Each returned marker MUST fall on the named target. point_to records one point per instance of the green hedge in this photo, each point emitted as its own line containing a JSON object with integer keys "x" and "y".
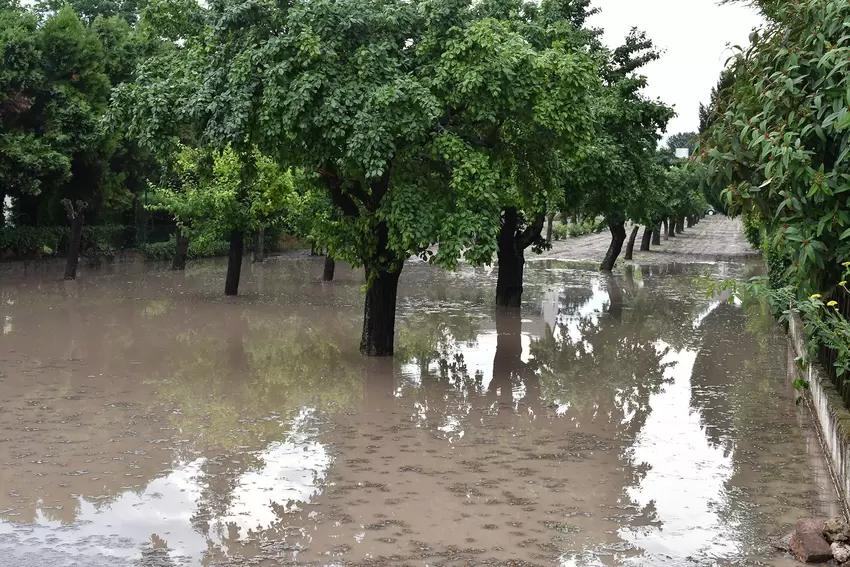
{"x": 203, "y": 246}
{"x": 562, "y": 231}
{"x": 37, "y": 241}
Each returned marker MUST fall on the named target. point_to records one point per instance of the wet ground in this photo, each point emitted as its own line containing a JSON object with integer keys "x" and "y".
{"x": 713, "y": 238}
{"x": 145, "y": 420}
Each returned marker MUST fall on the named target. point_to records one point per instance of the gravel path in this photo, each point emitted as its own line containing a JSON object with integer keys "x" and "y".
{"x": 714, "y": 239}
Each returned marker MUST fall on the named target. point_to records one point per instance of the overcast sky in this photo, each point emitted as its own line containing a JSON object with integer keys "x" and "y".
{"x": 694, "y": 35}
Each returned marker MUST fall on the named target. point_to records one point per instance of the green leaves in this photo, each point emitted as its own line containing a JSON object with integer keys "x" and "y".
{"x": 789, "y": 91}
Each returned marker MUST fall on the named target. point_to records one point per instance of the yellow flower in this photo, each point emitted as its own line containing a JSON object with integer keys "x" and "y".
{"x": 846, "y": 264}
{"x": 842, "y": 283}
{"x": 832, "y": 304}
{"x": 815, "y": 296}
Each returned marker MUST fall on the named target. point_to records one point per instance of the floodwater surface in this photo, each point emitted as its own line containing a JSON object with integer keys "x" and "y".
{"x": 145, "y": 420}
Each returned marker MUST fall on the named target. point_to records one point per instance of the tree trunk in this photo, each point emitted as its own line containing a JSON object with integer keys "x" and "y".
{"x": 656, "y": 235}
{"x": 234, "y": 262}
{"x": 511, "y": 262}
{"x": 76, "y": 216}
{"x": 2, "y": 209}
{"x": 260, "y": 246}
{"x": 680, "y": 225}
{"x": 618, "y": 236}
{"x": 549, "y": 222}
{"x": 671, "y": 228}
{"x": 328, "y": 271}
{"x": 630, "y": 247}
{"x": 379, "y": 314}
{"x": 645, "y": 240}
{"x": 181, "y": 250}
{"x": 665, "y": 229}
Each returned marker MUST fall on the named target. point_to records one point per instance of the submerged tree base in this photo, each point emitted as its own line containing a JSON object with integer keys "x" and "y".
{"x": 379, "y": 315}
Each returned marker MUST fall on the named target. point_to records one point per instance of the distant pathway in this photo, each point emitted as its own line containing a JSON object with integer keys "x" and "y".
{"x": 714, "y": 238}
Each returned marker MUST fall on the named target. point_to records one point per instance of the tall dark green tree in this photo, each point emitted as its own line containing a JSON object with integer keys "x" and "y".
{"x": 615, "y": 170}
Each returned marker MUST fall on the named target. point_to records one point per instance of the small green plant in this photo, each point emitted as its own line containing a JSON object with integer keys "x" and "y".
{"x": 560, "y": 231}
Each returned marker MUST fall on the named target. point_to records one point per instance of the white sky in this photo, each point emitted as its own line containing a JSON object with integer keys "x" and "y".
{"x": 693, "y": 34}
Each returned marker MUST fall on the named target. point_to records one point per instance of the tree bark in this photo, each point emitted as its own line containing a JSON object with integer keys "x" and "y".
{"x": 656, "y": 235}
{"x": 379, "y": 314}
{"x": 511, "y": 262}
{"x": 234, "y": 262}
{"x": 328, "y": 271}
{"x": 549, "y": 222}
{"x": 630, "y": 247}
{"x": 181, "y": 250}
{"x": 680, "y": 225}
{"x": 618, "y": 236}
{"x": 2, "y": 209}
{"x": 645, "y": 240}
{"x": 76, "y": 216}
{"x": 671, "y": 228}
{"x": 665, "y": 228}
{"x": 260, "y": 246}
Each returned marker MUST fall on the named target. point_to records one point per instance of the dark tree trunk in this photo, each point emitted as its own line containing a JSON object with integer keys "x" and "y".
{"x": 511, "y": 262}
{"x": 671, "y": 228}
{"x": 618, "y": 236}
{"x": 181, "y": 250}
{"x": 260, "y": 246}
{"x": 549, "y": 222}
{"x": 76, "y": 216}
{"x": 379, "y": 314}
{"x": 656, "y": 235}
{"x": 630, "y": 247}
{"x": 680, "y": 225}
{"x": 328, "y": 271}
{"x": 234, "y": 262}
{"x": 645, "y": 240}
{"x": 2, "y": 209}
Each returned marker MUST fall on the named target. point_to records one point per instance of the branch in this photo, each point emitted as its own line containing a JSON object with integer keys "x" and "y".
{"x": 342, "y": 200}
{"x": 531, "y": 233}
{"x": 69, "y": 208}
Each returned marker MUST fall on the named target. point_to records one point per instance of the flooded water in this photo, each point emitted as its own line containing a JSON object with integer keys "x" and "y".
{"x": 145, "y": 420}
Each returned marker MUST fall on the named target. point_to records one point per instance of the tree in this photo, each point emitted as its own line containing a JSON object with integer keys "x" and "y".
{"x": 511, "y": 127}
{"x": 55, "y": 85}
{"x": 407, "y": 113}
{"x": 211, "y": 191}
{"x": 614, "y": 172}
{"x": 679, "y": 140}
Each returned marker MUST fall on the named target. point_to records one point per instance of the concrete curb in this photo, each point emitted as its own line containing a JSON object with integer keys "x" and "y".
{"x": 829, "y": 412}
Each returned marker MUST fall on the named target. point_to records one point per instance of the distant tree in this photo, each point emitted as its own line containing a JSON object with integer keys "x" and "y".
{"x": 682, "y": 140}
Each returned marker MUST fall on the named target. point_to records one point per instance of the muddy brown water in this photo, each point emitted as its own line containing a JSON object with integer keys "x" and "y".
{"x": 145, "y": 420}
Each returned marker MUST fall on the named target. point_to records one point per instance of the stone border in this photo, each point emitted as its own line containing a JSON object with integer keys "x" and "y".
{"x": 831, "y": 416}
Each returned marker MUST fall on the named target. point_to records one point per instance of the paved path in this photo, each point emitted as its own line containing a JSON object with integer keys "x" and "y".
{"x": 715, "y": 238}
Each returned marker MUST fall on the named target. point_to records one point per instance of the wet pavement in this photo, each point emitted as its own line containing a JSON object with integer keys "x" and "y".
{"x": 145, "y": 420}
{"x": 713, "y": 239}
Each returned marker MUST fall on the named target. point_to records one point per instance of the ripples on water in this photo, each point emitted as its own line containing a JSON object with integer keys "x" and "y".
{"x": 621, "y": 421}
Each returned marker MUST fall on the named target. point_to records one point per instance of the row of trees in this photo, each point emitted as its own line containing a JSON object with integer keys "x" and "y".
{"x": 380, "y": 130}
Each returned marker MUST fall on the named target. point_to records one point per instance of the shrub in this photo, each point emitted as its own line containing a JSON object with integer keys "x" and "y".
{"x": 37, "y": 241}
{"x": 560, "y": 231}
{"x": 31, "y": 241}
{"x": 205, "y": 245}
{"x": 753, "y": 228}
